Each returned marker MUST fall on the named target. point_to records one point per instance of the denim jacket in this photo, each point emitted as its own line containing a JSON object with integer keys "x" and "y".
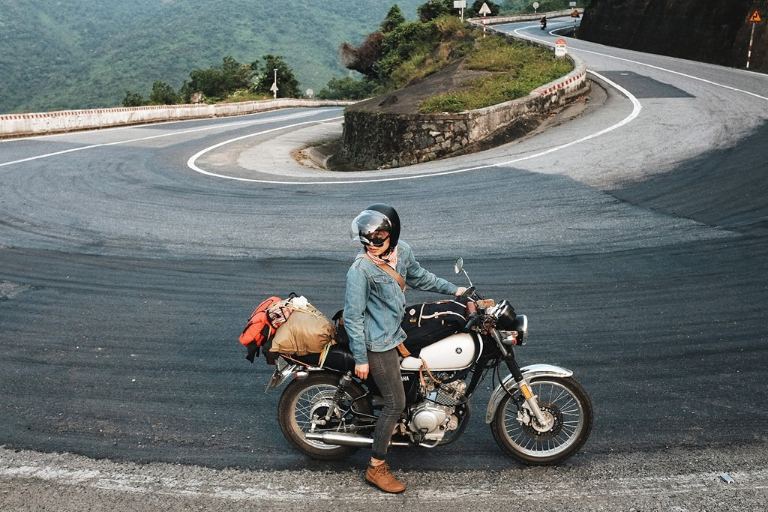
{"x": 374, "y": 304}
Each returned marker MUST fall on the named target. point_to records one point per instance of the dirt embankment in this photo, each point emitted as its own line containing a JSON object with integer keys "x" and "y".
{"x": 452, "y": 78}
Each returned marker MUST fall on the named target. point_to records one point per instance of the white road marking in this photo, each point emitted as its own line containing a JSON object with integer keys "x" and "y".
{"x": 160, "y": 136}
{"x": 636, "y": 108}
{"x": 659, "y": 68}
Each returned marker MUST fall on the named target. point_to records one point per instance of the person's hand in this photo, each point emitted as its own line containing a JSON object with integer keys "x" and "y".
{"x": 460, "y": 291}
{"x": 361, "y": 370}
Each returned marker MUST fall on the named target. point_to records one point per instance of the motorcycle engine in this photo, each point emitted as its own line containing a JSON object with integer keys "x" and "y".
{"x": 433, "y": 417}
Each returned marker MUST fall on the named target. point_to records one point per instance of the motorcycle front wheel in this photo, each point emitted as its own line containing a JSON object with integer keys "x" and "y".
{"x": 305, "y": 404}
{"x": 564, "y": 402}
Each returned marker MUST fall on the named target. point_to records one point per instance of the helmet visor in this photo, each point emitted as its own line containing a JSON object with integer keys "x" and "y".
{"x": 371, "y": 228}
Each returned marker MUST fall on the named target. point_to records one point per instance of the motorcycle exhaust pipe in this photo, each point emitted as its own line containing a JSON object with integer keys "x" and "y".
{"x": 343, "y": 439}
{"x": 339, "y": 438}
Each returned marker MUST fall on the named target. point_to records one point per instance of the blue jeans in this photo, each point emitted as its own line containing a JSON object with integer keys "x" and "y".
{"x": 385, "y": 370}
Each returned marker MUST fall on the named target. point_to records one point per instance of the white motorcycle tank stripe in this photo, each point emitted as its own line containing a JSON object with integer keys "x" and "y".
{"x": 455, "y": 352}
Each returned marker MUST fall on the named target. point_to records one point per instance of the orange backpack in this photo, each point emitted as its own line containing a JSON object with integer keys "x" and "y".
{"x": 258, "y": 329}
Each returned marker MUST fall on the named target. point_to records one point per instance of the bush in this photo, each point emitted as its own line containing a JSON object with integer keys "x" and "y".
{"x": 517, "y": 70}
{"x": 133, "y": 99}
{"x": 410, "y": 40}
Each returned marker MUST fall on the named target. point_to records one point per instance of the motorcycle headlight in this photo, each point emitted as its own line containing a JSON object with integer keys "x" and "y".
{"x": 518, "y": 335}
{"x": 505, "y": 316}
{"x": 521, "y": 326}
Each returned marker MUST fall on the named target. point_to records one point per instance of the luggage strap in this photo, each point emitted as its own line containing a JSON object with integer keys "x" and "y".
{"x": 421, "y": 374}
{"x": 389, "y": 270}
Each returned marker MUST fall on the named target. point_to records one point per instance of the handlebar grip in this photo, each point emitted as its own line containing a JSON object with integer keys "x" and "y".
{"x": 472, "y": 320}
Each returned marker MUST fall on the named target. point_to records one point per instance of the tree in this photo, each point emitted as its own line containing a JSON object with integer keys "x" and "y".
{"x": 208, "y": 81}
{"x": 434, "y": 9}
{"x": 348, "y": 88}
{"x": 235, "y": 76}
{"x": 133, "y": 99}
{"x": 393, "y": 19}
{"x": 365, "y": 58}
{"x": 163, "y": 94}
{"x": 288, "y": 86}
{"x": 219, "y": 82}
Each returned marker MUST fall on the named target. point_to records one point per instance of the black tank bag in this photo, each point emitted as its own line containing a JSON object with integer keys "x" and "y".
{"x": 429, "y": 322}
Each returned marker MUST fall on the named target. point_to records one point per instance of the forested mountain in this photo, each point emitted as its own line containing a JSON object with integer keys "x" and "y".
{"x": 57, "y": 54}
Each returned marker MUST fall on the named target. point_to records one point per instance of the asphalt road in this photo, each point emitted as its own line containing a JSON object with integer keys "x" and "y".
{"x": 632, "y": 231}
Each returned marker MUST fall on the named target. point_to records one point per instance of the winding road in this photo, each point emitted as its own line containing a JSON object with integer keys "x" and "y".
{"x": 632, "y": 230}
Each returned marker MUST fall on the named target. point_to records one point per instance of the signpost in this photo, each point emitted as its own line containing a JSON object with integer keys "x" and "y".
{"x": 560, "y": 48}
{"x": 274, "y": 88}
{"x": 536, "y": 7}
{"x": 485, "y": 11}
{"x": 460, "y": 5}
{"x": 754, "y": 19}
{"x": 574, "y": 15}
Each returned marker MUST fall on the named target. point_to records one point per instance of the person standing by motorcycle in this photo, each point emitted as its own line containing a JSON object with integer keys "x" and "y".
{"x": 374, "y": 305}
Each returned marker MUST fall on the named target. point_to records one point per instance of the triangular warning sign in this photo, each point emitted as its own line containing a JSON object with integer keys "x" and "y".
{"x": 755, "y": 17}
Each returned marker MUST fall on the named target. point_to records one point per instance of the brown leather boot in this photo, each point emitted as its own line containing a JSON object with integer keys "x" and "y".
{"x": 383, "y": 479}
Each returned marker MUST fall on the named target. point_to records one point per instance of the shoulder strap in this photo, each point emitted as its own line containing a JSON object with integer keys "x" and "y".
{"x": 389, "y": 270}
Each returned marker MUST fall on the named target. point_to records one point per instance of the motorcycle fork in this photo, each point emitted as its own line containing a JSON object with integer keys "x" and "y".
{"x": 525, "y": 389}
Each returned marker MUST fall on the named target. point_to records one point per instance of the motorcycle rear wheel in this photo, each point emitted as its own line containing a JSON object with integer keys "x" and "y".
{"x": 310, "y": 398}
{"x": 563, "y": 399}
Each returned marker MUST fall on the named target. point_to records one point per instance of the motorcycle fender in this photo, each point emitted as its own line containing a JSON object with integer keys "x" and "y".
{"x": 529, "y": 372}
{"x": 282, "y": 372}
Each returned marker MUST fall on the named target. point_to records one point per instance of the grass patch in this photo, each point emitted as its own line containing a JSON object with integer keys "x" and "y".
{"x": 517, "y": 70}
{"x": 244, "y": 95}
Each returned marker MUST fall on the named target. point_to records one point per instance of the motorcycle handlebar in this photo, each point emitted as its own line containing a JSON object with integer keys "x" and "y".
{"x": 472, "y": 321}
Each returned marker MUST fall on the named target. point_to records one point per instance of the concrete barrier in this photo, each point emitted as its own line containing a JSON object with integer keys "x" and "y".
{"x": 499, "y": 20}
{"x": 15, "y": 125}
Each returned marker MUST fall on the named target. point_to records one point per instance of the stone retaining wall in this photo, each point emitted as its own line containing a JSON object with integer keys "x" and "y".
{"x": 374, "y": 140}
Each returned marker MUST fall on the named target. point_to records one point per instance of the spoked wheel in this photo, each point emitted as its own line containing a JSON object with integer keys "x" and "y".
{"x": 568, "y": 410}
{"x": 304, "y": 407}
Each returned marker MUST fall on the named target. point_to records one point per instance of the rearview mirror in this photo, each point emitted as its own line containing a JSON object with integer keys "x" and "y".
{"x": 459, "y": 265}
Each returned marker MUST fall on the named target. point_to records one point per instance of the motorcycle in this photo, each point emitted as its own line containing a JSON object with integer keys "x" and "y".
{"x": 538, "y": 414}
{"x": 543, "y": 24}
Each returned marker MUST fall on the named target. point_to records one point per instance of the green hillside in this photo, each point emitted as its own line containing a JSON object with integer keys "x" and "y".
{"x": 72, "y": 54}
